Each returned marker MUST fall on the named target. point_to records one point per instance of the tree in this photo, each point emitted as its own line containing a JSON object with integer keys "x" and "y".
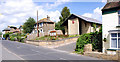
{"x": 64, "y": 14}
{"x": 94, "y": 27}
{"x": 28, "y": 26}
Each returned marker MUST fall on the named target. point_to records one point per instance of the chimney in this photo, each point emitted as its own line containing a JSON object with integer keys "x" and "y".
{"x": 48, "y": 18}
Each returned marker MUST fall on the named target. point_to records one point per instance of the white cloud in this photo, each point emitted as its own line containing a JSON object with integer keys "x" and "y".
{"x": 15, "y": 12}
{"x": 97, "y": 14}
{"x": 14, "y": 20}
{"x": 104, "y": 1}
{"x": 87, "y": 14}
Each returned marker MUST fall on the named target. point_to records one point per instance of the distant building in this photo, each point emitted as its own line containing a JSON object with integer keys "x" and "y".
{"x": 21, "y": 28}
{"x": 45, "y": 25}
{"x": 111, "y": 27}
{"x": 77, "y": 25}
{"x": 11, "y": 29}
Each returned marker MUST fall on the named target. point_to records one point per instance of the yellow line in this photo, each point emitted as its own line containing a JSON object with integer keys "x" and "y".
{"x": 13, "y": 53}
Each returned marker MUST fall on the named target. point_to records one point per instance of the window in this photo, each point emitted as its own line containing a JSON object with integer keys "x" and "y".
{"x": 119, "y": 19}
{"x": 115, "y": 40}
{"x": 119, "y": 15}
{"x": 118, "y": 11}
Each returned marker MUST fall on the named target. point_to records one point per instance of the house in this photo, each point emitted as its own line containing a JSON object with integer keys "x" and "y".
{"x": 11, "y": 29}
{"x": 45, "y": 25}
{"x": 21, "y": 28}
{"x": 77, "y": 25}
{"x": 111, "y": 27}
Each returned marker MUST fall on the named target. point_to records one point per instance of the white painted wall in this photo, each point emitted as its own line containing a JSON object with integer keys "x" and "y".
{"x": 73, "y": 29}
{"x": 109, "y": 22}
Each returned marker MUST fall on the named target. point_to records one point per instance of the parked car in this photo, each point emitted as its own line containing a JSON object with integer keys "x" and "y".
{"x": 3, "y": 38}
{"x": 8, "y": 38}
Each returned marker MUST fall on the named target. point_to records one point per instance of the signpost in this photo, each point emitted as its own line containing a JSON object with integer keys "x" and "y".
{"x": 53, "y": 34}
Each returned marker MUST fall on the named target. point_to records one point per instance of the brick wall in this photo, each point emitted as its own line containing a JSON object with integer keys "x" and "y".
{"x": 101, "y": 55}
{"x": 52, "y": 44}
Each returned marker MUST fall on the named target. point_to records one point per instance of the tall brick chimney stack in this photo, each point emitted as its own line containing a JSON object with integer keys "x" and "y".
{"x": 108, "y": 1}
{"x": 48, "y": 18}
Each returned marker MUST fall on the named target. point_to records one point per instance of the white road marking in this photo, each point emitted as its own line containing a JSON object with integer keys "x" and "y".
{"x": 13, "y": 53}
{"x": 62, "y": 59}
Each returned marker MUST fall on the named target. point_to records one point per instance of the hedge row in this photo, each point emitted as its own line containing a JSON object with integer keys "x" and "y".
{"x": 94, "y": 38}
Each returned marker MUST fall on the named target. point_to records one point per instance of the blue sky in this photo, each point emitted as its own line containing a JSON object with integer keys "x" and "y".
{"x": 15, "y": 12}
{"x": 77, "y": 7}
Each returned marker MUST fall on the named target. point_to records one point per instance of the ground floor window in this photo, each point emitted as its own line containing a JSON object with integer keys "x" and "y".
{"x": 115, "y": 40}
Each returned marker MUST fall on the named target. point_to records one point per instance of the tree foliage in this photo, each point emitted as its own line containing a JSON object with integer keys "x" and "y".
{"x": 64, "y": 14}
{"x": 0, "y": 33}
{"x": 28, "y": 26}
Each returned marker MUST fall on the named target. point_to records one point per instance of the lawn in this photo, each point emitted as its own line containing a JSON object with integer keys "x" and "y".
{"x": 60, "y": 37}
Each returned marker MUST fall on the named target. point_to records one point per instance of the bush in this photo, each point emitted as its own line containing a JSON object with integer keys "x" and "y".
{"x": 12, "y": 38}
{"x": 94, "y": 38}
{"x": 6, "y": 35}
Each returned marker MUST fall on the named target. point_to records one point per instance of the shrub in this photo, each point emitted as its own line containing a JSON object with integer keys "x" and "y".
{"x": 94, "y": 38}
{"x": 12, "y": 38}
{"x": 6, "y": 35}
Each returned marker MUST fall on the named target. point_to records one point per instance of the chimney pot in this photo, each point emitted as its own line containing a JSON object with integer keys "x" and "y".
{"x": 48, "y": 18}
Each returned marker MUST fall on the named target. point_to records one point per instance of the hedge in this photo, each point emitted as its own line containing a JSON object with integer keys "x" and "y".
{"x": 7, "y": 35}
{"x": 94, "y": 38}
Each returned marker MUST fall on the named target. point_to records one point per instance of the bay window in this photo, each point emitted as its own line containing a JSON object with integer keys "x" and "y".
{"x": 115, "y": 40}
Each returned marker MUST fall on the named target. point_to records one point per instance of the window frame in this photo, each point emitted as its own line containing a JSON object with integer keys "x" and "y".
{"x": 117, "y": 40}
{"x": 118, "y": 17}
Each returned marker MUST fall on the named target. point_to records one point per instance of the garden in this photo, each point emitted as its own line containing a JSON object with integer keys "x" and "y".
{"x": 15, "y": 37}
{"x": 59, "y": 37}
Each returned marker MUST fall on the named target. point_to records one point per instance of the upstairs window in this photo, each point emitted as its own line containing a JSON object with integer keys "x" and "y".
{"x": 119, "y": 15}
{"x": 119, "y": 12}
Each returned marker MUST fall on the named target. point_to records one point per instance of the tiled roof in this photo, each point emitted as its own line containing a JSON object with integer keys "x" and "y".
{"x": 111, "y": 5}
{"x": 6, "y": 29}
{"x": 84, "y": 18}
{"x": 44, "y": 20}
{"x": 89, "y": 19}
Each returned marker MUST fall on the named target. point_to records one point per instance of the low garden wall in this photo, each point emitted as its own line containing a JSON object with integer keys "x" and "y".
{"x": 52, "y": 43}
{"x": 103, "y": 55}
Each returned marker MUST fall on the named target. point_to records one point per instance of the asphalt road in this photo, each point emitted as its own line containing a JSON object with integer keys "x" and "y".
{"x": 20, "y": 51}
{"x": 69, "y": 47}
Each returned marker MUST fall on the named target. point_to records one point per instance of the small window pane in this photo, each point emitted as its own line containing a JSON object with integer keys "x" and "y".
{"x": 119, "y": 43}
{"x": 119, "y": 19}
{"x": 118, "y": 34}
{"x": 114, "y": 35}
{"x": 114, "y": 42}
{"x": 119, "y": 12}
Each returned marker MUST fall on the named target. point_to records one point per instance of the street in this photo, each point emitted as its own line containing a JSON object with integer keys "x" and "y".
{"x": 20, "y": 51}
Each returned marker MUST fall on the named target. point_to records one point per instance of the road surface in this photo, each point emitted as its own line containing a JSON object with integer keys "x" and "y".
{"x": 20, "y": 51}
{"x": 69, "y": 47}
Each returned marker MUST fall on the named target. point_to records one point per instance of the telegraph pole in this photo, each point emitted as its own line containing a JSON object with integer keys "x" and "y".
{"x": 37, "y": 25}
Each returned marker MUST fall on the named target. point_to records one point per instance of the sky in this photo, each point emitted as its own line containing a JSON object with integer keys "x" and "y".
{"x": 16, "y": 12}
